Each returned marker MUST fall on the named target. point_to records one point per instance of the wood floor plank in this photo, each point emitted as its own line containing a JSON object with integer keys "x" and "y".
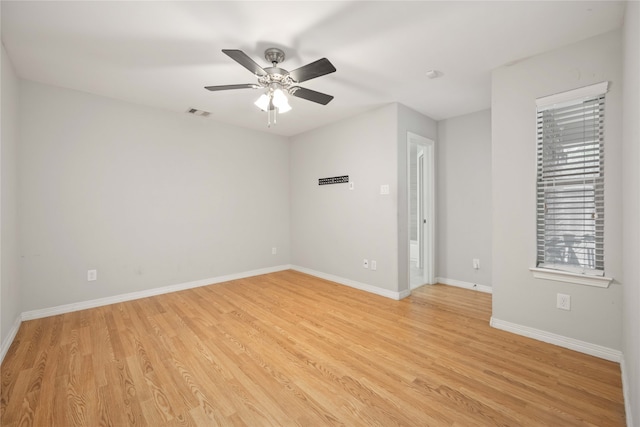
{"x": 290, "y": 349}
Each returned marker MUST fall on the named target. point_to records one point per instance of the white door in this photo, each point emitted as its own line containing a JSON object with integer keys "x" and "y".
{"x": 421, "y": 209}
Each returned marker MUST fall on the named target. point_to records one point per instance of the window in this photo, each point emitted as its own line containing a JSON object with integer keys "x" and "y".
{"x": 570, "y": 181}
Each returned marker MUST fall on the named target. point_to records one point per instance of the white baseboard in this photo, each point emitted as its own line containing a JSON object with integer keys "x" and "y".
{"x": 466, "y": 285}
{"x": 68, "y": 308}
{"x": 83, "y": 305}
{"x": 625, "y": 392}
{"x": 354, "y": 284}
{"x": 9, "y": 339}
{"x": 403, "y": 294}
{"x": 559, "y": 340}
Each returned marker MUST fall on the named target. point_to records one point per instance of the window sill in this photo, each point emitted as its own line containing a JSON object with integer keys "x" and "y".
{"x": 563, "y": 276}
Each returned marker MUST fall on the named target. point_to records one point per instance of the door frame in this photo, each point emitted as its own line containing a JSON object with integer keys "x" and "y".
{"x": 420, "y": 206}
{"x": 427, "y": 243}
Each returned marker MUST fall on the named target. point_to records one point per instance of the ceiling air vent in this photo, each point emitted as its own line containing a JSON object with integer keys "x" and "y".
{"x": 197, "y": 112}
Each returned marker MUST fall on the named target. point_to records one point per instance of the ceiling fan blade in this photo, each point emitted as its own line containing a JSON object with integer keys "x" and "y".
{"x": 312, "y": 70}
{"x": 310, "y": 95}
{"x": 228, "y": 87}
{"x": 241, "y": 58}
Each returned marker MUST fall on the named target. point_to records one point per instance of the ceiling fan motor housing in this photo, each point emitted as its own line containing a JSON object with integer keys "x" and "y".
{"x": 276, "y": 78}
{"x": 274, "y": 55}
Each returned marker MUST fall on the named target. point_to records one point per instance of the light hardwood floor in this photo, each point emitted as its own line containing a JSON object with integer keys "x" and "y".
{"x": 291, "y": 349}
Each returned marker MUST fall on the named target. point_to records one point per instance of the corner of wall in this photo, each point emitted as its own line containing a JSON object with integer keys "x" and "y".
{"x": 10, "y": 292}
{"x": 630, "y": 366}
{"x": 8, "y": 339}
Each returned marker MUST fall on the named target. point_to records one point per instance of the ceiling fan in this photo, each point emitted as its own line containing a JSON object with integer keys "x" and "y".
{"x": 278, "y": 81}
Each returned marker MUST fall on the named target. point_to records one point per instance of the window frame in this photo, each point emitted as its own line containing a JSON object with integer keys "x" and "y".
{"x": 564, "y": 271}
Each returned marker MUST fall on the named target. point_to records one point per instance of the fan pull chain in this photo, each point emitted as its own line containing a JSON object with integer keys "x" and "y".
{"x": 275, "y": 117}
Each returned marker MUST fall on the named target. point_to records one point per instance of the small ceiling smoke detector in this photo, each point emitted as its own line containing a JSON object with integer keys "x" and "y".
{"x": 197, "y": 112}
{"x": 434, "y": 74}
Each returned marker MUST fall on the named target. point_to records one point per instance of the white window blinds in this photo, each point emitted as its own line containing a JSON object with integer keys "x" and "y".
{"x": 570, "y": 181}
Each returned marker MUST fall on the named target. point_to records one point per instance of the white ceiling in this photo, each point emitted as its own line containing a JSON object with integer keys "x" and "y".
{"x": 162, "y": 54}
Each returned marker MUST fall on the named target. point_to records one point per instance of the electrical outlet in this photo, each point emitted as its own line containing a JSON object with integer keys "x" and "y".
{"x": 274, "y": 251}
{"x": 352, "y": 185}
{"x": 365, "y": 263}
{"x": 476, "y": 263}
{"x": 384, "y": 189}
{"x": 374, "y": 265}
{"x": 563, "y": 302}
{"x": 92, "y": 275}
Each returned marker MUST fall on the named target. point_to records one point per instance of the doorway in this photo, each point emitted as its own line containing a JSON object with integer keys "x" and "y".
{"x": 421, "y": 163}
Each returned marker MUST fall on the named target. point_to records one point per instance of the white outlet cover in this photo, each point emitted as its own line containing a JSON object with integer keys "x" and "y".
{"x": 563, "y": 302}
{"x": 384, "y": 189}
{"x": 352, "y": 185}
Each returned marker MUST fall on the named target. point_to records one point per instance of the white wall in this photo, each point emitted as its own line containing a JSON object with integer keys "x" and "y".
{"x": 149, "y": 198}
{"x": 631, "y": 212}
{"x": 333, "y": 228}
{"x": 9, "y": 289}
{"x": 595, "y": 315}
{"x": 464, "y": 197}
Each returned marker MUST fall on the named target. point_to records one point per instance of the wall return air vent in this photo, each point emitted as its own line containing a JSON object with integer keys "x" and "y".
{"x": 197, "y": 112}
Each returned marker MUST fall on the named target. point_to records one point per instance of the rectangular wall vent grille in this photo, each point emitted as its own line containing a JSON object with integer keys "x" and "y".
{"x": 197, "y": 112}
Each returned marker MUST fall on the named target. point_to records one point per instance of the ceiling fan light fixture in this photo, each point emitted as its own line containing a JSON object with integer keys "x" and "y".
{"x": 280, "y": 101}
{"x": 263, "y": 102}
{"x": 273, "y": 99}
